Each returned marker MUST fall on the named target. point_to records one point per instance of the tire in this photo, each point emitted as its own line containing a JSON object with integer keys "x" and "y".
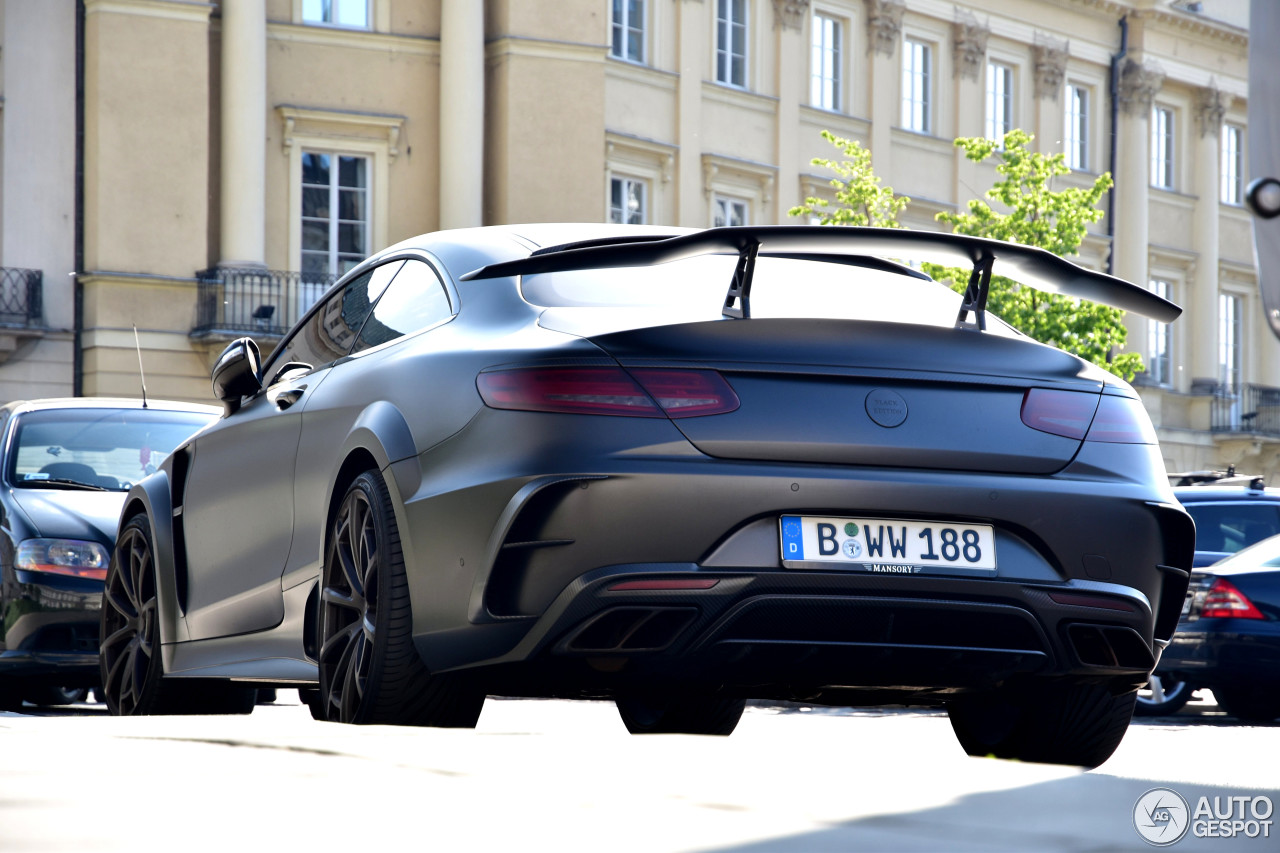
{"x": 1078, "y": 724}
{"x": 10, "y": 696}
{"x": 133, "y": 682}
{"x": 370, "y": 670}
{"x": 1164, "y": 694}
{"x": 685, "y": 715}
{"x": 1251, "y": 703}
{"x": 50, "y": 696}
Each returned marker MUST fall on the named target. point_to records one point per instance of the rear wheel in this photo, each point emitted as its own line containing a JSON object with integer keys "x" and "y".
{"x": 133, "y": 680}
{"x": 370, "y": 671}
{"x": 1256, "y": 704}
{"x": 687, "y": 715}
{"x": 1074, "y": 723}
{"x": 1164, "y": 694}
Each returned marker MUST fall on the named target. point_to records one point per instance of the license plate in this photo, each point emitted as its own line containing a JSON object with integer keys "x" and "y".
{"x": 887, "y": 546}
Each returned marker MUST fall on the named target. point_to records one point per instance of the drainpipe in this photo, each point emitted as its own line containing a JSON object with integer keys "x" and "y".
{"x": 77, "y": 352}
{"x": 1115, "y": 118}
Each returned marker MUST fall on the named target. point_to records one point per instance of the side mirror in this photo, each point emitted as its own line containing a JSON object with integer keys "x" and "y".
{"x": 235, "y": 374}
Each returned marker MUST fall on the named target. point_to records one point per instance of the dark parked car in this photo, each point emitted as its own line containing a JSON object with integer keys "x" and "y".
{"x": 676, "y": 469}
{"x": 67, "y": 465}
{"x": 1229, "y": 636}
{"x": 1231, "y": 512}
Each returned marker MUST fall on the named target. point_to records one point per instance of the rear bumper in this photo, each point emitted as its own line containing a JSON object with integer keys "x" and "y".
{"x": 1209, "y": 652}
{"x": 532, "y": 554}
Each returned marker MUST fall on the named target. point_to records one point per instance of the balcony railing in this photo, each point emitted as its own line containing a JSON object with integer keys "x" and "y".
{"x": 255, "y": 301}
{"x": 1254, "y": 409}
{"x": 21, "y": 297}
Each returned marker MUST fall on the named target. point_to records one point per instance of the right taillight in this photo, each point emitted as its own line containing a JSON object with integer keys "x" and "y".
{"x": 1224, "y": 601}
{"x": 1083, "y": 415}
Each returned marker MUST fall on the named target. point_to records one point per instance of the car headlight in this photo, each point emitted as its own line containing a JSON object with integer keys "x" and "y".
{"x": 73, "y": 557}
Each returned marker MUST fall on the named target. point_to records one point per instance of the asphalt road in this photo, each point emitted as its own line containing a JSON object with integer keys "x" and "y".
{"x": 565, "y": 776}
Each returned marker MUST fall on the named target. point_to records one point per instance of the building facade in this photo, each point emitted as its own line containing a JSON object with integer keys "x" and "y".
{"x": 202, "y": 170}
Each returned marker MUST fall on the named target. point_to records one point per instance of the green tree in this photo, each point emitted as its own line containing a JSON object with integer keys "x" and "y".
{"x": 1037, "y": 215}
{"x": 860, "y": 200}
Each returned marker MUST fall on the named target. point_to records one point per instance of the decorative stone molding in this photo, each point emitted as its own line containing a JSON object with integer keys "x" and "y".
{"x": 790, "y": 14}
{"x": 1211, "y": 106}
{"x": 969, "y": 42}
{"x": 884, "y": 25}
{"x": 1050, "y": 59}
{"x": 340, "y": 123}
{"x": 1139, "y": 83}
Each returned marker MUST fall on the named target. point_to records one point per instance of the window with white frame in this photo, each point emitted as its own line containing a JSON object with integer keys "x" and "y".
{"x": 1162, "y": 152}
{"x": 1232, "y": 184}
{"x": 1230, "y": 342}
{"x": 999, "y": 100}
{"x": 917, "y": 74}
{"x": 731, "y": 42}
{"x": 826, "y": 84}
{"x": 727, "y": 210}
{"x": 335, "y": 212}
{"x": 628, "y": 201}
{"x": 1159, "y": 348}
{"x": 1075, "y": 140}
{"x": 337, "y": 13}
{"x": 628, "y": 18}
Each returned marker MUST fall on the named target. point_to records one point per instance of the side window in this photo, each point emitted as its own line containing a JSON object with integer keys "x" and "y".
{"x": 414, "y": 301}
{"x": 327, "y": 334}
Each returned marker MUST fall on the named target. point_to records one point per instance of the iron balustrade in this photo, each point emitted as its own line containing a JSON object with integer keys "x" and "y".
{"x": 256, "y": 301}
{"x": 21, "y": 297}
{"x": 1253, "y": 409}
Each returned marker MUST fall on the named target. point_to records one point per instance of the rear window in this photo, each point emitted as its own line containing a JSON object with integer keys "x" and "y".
{"x": 1228, "y": 527}
{"x": 695, "y": 288}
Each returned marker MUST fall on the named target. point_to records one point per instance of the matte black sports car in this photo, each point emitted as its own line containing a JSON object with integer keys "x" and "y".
{"x": 66, "y": 467}
{"x": 677, "y": 469}
{"x": 1229, "y": 636}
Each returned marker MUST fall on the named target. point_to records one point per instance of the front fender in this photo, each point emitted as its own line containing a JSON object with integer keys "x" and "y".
{"x": 151, "y": 495}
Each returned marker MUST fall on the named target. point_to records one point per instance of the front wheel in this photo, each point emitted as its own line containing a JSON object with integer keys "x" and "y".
{"x": 1074, "y": 723}
{"x": 51, "y": 696}
{"x": 370, "y": 671}
{"x": 133, "y": 682}
{"x": 685, "y": 715}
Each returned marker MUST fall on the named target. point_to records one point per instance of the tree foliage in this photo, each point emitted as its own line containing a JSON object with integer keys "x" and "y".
{"x": 1031, "y": 212}
{"x": 860, "y": 200}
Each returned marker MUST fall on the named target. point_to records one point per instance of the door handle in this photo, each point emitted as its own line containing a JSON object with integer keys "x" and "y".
{"x": 285, "y": 399}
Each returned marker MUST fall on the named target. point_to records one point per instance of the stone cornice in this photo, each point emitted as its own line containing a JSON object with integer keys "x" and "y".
{"x": 884, "y": 25}
{"x": 790, "y": 14}
{"x": 969, "y": 44}
{"x": 1050, "y": 60}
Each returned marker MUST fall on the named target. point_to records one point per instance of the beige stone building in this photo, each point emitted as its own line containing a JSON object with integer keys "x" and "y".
{"x": 201, "y": 170}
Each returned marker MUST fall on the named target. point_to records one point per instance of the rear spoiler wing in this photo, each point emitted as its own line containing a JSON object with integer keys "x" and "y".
{"x": 1029, "y": 265}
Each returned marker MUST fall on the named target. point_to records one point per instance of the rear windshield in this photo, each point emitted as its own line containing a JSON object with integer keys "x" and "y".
{"x": 781, "y": 287}
{"x": 1228, "y": 527}
{"x": 95, "y": 447}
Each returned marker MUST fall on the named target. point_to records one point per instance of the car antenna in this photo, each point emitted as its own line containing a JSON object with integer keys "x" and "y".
{"x": 141, "y": 375}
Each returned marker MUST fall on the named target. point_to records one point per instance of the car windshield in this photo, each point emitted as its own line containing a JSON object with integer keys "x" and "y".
{"x": 95, "y": 448}
{"x": 781, "y": 287}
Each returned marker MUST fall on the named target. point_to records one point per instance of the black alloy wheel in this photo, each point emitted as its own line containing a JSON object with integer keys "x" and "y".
{"x": 46, "y": 696}
{"x": 370, "y": 671}
{"x": 129, "y": 656}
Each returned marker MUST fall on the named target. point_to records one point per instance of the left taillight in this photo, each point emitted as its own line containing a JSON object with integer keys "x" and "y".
{"x": 1223, "y": 600}
{"x": 72, "y": 557}
{"x": 641, "y": 393}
